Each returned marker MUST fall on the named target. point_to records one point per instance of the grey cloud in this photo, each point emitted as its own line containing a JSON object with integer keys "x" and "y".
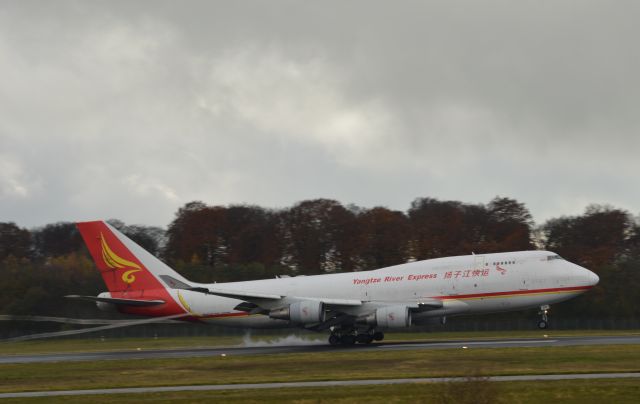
{"x": 130, "y": 109}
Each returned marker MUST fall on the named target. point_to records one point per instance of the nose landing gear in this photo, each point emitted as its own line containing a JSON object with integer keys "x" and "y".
{"x": 543, "y": 324}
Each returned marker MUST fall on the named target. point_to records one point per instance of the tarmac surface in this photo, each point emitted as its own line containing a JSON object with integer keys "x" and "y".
{"x": 328, "y": 383}
{"x": 261, "y": 348}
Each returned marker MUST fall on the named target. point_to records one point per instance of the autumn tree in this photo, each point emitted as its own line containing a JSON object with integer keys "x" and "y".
{"x": 251, "y": 234}
{"x": 318, "y": 236}
{"x": 56, "y": 240}
{"x": 14, "y": 241}
{"x": 195, "y": 235}
{"x": 233, "y": 243}
{"x": 604, "y": 240}
{"x": 510, "y": 225}
{"x": 593, "y": 239}
{"x": 385, "y": 234}
{"x": 443, "y": 228}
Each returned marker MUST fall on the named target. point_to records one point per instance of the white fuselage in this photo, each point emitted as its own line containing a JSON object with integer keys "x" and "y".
{"x": 471, "y": 284}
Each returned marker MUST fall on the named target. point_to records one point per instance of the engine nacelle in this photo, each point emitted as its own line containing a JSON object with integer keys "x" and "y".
{"x": 388, "y": 317}
{"x": 304, "y": 312}
{"x": 104, "y": 306}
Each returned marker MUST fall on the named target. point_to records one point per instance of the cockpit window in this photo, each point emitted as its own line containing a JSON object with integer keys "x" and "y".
{"x": 553, "y": 257}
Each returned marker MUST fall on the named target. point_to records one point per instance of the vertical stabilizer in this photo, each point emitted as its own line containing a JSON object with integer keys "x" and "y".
{"x": 124, "y": 265}
{"x": 130, "y": 273}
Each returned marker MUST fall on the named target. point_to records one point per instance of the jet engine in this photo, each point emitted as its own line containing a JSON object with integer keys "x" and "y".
{"x": 388, "y": 317}
{"x": 104, "y": 306}
{"x": 304, "y": 312}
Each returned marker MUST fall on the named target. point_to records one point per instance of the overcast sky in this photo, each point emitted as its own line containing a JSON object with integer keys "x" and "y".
{"x": 129, "y": 109}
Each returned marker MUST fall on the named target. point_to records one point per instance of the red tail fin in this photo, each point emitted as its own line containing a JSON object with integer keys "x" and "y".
{"x": 130, "y": 272}
{"x": 120, "y": 268}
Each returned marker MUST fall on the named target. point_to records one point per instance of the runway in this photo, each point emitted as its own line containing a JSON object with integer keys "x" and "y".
{"x": 265, "y": 349}
{"x": 328, "y": 383}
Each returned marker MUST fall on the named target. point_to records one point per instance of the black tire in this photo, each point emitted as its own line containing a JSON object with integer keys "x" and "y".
{"x": 348, "y": 340}
{"x": 378, "y": 336}
{"x": 543, "y": 325}
{"x": 334, "y": 340}
{"x": 364, "y": 338}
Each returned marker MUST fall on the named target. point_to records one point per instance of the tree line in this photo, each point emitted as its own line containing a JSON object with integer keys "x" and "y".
{"x": 212, "y": 243}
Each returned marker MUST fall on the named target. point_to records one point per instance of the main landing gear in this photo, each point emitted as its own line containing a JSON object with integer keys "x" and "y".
{"x": 350, "y": 338}
{"x": 543, "y": 324}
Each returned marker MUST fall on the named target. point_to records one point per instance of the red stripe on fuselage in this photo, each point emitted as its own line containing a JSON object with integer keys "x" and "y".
{"x": 517, "y": 292}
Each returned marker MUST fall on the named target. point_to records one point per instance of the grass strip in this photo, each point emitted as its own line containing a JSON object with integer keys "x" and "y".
{"x": 338, "y": 365}
{"x": 476, "y": 391}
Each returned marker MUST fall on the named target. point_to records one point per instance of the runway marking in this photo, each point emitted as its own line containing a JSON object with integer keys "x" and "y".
{"x": 328, "y": 383}
{"x": 542, "y": 341}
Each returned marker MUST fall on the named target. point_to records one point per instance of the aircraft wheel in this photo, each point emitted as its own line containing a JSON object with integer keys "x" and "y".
{"x": 543, "y": 325}
{"x": 378, "y": 336}
{"x": 364, "y": 338}
{"x": 348, "y": 339}
{"x": 334, "y": 339}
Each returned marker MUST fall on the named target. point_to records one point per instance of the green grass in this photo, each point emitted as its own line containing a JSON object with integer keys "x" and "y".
{"x": 112, "y": 344}
{"x": 338, "y": 365}
{"x": 565, "y": 391}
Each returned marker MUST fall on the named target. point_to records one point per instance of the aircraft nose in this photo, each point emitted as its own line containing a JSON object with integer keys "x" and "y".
{"x": 593, "y": 278}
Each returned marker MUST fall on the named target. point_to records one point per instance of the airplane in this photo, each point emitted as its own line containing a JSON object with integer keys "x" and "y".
{"x": 354, "y": 307}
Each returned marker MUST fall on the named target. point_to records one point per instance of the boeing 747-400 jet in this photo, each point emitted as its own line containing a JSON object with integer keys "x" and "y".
{"x": 353, "y": 307}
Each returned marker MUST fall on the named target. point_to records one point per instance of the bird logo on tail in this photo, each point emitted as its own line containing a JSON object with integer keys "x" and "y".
{"x": 113, "y": 261}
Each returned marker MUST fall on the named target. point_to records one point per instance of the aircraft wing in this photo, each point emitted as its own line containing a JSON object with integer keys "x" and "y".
{"x": 338, "y": 311}
{"x": 424, "y": 304}
{"x": 242, "y": 295}
{"x": 255, "y": 302}
{"x": 262, "y": 298}
{"x": 269, "y": 300}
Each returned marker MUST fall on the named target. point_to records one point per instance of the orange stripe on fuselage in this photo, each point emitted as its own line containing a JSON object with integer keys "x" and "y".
{"x": 516, "y": 293}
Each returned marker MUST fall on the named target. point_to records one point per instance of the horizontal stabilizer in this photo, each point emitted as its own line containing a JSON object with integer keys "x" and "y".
{"x": 113, "y": 300}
